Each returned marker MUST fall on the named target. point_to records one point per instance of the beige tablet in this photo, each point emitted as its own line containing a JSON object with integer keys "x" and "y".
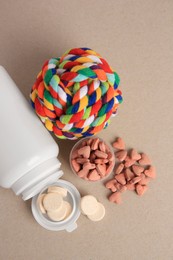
{"x": 88, "y": 205}
{"x": 99, "y": 214}
{"x": 69, "y": 209}
{"x": 52, "y": 201}
{"x": 57, "y": 189}
{"x": 40, "y": 203}
{"x": 59, "y": 214}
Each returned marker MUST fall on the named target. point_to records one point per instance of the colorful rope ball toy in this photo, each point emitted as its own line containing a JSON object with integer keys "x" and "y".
{"x": 76, "y": 94}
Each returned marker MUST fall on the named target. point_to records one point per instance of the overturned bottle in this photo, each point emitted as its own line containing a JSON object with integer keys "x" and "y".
{"x": 28, "y": 153}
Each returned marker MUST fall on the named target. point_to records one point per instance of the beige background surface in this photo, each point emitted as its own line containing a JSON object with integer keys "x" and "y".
{"x": 136, "y": 37}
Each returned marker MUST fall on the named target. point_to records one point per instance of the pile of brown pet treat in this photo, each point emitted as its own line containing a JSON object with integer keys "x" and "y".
{"x": 133, "y": 172}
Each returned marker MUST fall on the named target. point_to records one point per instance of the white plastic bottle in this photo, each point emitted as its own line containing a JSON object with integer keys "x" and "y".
{"x": 28, "y": 153}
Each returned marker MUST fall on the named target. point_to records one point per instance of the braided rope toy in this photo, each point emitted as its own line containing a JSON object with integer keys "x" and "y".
{"x": 76, "y": 94}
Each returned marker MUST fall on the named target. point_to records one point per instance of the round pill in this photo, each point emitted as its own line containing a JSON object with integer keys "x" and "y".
{"x": 40, "y": 203}
{"x": 58, "y": 215}
{"x": 99, "y": 214}
{"x": 52, "y": 201}
{"x": 89, "y": 205}
{"x": 69, "y": 209}
{"x": 60, "y": 190}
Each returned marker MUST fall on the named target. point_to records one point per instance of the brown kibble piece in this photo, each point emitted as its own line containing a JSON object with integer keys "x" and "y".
{"x": 110, "y": 182}
{"x": 140, "y": 190}
{"x": 89, "y": 165}
{"x": 135, "y": 180}
{"x": 130, "y": 186}
{"x": 81, "y": 160}
{"x": 76, "y": 165}
{"x": 119, "y": 168}
{"x": 129, "y": 175}
{"x": 134, "y": 155}
{"x": 118, "y": 186}
{"x": 137, "y": 169}
{"x": 109, "y": 167}
{"x": 93, "y": 175}
{"x": 83, "y": 173}
{"x": 104, "y": 165}
{"x": 145, "y": 180}
{"x": 92, "y": 156}
{"x": 110, "y": 156}
{"x": 107, "y": 148}
{"x": 74, "y": 154}
{"x": 115, "y": 197}
{"x": 129, "y": 162}
{"x": 94, "y": 144}
{"x": 101, "y": 154}
{"x": 145, "y": 160}
{"x": 123, "y": 188}
{"x": 101, "y": 161}
{"x": 121, "y": 155}
{"x": 150, "y": 172}
{"x": 113, "y": 189}
{"x": 119, "y": 144}
{"x": 84, "y": 143}
{"x": 121, "y": 178}
{"x": 84, "y": 151}
{"x": 89, "y": 141}
{"x": 101, "y": 169}
{"x": 111, "y": 185}
{"x": 102, "y": 146}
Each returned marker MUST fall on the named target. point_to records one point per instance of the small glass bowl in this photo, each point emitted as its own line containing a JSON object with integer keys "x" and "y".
{"x": 79, "y": 144}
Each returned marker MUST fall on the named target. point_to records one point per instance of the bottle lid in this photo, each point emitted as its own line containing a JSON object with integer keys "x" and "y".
{"x": 73, "y": 197}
